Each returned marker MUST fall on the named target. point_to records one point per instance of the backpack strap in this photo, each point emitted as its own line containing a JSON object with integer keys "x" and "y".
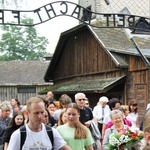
{"x": 50, "y": 134}
{"x": 22, "y": 136}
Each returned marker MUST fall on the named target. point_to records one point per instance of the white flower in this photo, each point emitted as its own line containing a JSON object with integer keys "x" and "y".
{"x": 124, "y": 139}
{"x": 116, "y": 142}
{"x": 113, "y": 140}
{"x": 134, "y": 129}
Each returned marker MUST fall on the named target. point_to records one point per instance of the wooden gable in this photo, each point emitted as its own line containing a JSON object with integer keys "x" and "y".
{"x": 100, "y": 62}
{"x": 80, "y": 56}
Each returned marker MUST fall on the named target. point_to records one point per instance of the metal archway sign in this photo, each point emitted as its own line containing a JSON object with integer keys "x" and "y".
{"x": 62, "y": 8}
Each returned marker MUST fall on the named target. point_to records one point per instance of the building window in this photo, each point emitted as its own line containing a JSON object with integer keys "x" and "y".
{"x": 26, "y": 89}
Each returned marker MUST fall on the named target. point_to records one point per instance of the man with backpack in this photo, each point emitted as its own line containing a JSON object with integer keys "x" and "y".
{"x": 36, "y": 134}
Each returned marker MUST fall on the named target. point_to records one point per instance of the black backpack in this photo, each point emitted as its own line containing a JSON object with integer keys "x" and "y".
{"x": 23, "y": 135}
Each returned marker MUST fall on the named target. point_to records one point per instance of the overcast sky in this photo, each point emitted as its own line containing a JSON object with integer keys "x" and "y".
{"x": 53, "y": 28}
{"x": 50, "y": 29}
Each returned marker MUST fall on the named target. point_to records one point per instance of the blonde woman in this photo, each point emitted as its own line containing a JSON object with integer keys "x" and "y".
{"x": 4, "y": 120}
{"x": 62, "y": 118}
{"x": 77, "y": 136}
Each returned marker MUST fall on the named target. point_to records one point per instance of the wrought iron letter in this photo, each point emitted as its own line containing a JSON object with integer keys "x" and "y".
{"x": 131, "y": 21}
{"x": 114, "y": 20}
{"x": 75, "y": 11}
{"x": 107, "y": 19}
{"x": 48, "y": 10}
{"x": 66, "y": 6}
{"x": 121, "y": 20}
{"x": 37, "y": 11}
{"x": 2, "y": 17}
{"x": 17, "y": 16}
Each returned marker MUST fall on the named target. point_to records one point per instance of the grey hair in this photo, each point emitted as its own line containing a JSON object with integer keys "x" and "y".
{"x": 103, "y": 99}
{"x": 80, "y": 95}
{"x": 116, "y": 111}
{"x": 5, "y": 105}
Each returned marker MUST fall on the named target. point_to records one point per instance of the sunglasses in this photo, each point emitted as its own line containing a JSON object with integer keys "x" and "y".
{"x": 134, "y": 105}
{"x": 81, "y": 99}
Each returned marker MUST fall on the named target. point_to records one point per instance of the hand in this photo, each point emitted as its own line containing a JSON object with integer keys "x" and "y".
{"x": 87, "y": 124}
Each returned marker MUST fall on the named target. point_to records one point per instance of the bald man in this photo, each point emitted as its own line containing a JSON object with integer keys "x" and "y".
{"x": 50, "y": 96}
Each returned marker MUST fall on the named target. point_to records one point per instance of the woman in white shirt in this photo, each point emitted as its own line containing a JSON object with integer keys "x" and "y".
{"x": 133, "y": 112}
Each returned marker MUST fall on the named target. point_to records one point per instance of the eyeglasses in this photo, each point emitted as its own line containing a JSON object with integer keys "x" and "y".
{"x": 81, "y": 99}
{"x": 51, "y": 107}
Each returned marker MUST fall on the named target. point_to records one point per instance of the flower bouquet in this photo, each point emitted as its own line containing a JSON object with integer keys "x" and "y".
{"x": 128, "y": 137}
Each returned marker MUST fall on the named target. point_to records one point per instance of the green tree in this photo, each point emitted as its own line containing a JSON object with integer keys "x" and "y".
{"x": 22, "y": 43}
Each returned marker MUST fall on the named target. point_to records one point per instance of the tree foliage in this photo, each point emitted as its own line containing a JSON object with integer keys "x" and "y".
{"x": 22, "y": 43}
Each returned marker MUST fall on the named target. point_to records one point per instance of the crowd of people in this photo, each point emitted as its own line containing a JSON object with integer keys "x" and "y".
{"x": 45, "y": 123}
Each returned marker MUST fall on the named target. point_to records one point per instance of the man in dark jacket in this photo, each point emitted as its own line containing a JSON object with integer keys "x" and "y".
{"x": 85, "y": 112}
{"x": 50, "y": 96}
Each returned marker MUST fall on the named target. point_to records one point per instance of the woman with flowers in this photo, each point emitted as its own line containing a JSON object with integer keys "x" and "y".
{"x": 125, "y": 120}
{"x": 120, "y": 136}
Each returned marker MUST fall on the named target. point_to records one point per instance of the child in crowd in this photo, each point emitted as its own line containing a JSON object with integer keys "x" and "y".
{"x": 62, "y": 118}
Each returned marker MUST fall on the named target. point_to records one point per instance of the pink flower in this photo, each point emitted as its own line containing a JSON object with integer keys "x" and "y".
{"x": 123, "y": 131}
